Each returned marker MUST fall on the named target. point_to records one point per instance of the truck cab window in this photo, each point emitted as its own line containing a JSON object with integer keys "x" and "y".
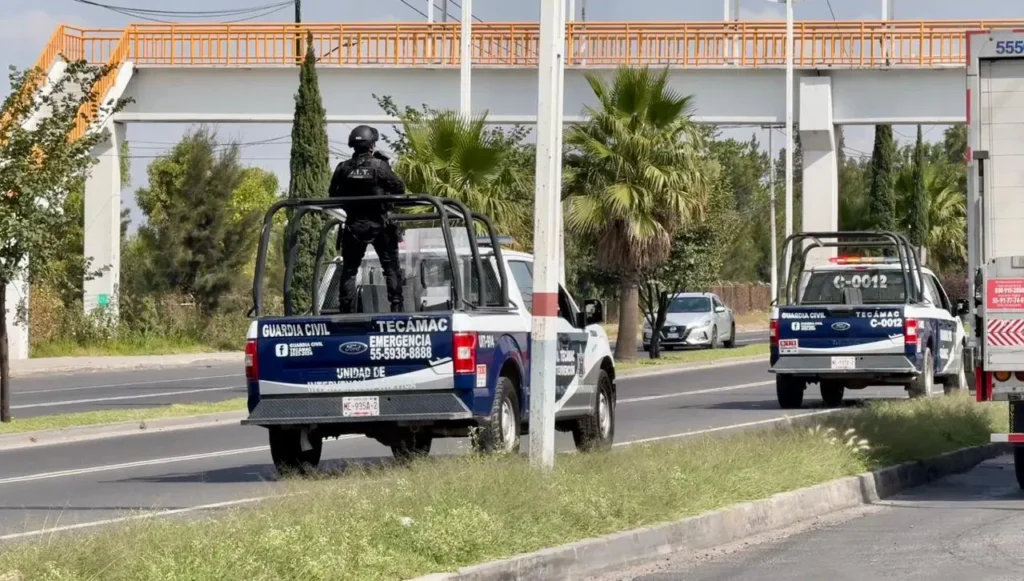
{"x": 522, "y": 273}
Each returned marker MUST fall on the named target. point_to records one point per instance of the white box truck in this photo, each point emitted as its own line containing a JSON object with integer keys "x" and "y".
{"x": 995, "y": 199}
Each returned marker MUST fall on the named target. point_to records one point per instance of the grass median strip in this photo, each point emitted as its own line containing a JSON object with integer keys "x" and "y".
{"x": 439, "y": 514}
{"x": 64, "y": 421}
{"x": 693, "y": 356}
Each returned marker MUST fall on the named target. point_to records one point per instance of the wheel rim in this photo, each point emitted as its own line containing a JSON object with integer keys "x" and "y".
{"x": 604, "y": 416}
{"x": 508, "y": 432}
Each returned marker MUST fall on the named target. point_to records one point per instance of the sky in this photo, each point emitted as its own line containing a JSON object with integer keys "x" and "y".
{"x": 26, "y": 25}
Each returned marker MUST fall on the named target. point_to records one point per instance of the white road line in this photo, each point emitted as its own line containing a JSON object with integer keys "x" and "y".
{"x": 729, "y": 427}
{"x": 127, "y": 384}
{"x": 154, "y": 514}
{"x": 142, "y": 463}
{"x": 242, "y": 501}
{"x": 68, "y": 402}
{"x": 694, "y": 392}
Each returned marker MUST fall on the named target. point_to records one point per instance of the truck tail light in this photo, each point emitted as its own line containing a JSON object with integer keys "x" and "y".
{"x": 252, "y": 361}
{"x": 773, "y": 331}
{"x": 910, "y": 331}
{"x": 465, "y": 352}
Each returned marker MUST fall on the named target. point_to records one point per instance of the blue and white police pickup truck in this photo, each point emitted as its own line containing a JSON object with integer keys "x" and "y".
{"x": 454, "y": 363}
{"x": 856, "y": 322}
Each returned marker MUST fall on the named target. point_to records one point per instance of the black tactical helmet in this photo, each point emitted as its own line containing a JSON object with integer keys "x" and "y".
{"x": 362, "y": 137}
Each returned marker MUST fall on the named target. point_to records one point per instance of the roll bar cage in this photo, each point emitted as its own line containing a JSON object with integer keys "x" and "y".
{"x": 444, "y": 210}
{"x": 908, "y": 257}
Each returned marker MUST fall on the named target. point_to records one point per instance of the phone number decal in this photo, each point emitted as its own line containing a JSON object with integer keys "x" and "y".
{"x": 400, "y": 347}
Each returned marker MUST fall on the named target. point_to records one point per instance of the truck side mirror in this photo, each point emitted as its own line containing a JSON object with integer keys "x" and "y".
{"x": 962, "y": 307}
{"x": 593, "y": 312}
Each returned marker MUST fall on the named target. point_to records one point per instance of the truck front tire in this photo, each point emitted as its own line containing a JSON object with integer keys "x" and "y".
{"x": 790, "y": 391}
{"x": 501, "y": 432}
{"x": 287, "y": 453}
{"x": 957, "y": 381}
{"x": 597, "y": 431}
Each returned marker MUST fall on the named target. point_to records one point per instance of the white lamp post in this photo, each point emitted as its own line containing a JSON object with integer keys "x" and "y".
{"x": 789, "y": 118}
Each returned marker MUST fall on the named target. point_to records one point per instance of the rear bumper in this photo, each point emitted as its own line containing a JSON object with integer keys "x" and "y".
{"x": 865, "y": 366}
{"x": 329, "y": 409}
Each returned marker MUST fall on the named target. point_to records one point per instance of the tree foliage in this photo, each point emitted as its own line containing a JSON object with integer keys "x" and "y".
{"x": 444, "y": 154}
{"x": 197, "y": 237}
{"x": 882, "y": 191}
{"x": 635, "y": 176}
{"x": 917, "y": 199}
{"x": 310, "y": 173}
{"x": 699, "y": 252}
{"x": 39, "y": 164}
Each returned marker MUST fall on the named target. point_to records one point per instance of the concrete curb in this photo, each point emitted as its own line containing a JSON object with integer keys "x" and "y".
{"x": 74, "y": 365}
{"x": 641, "y": 546}
{"x": 83, "y": 433}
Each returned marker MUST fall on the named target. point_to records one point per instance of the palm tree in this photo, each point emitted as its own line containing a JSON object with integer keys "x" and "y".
{"x": 946, "y": 208}
{"x": 634, "y": 175}
{"x": 450, "y": 156}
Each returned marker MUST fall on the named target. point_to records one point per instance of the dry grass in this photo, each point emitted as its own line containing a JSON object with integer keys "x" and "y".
{"x": 440, "y": 514}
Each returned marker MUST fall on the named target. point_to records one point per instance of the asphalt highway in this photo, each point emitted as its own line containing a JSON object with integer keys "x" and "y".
{"x": 76, "y": 485}
{"x": 966, "y": 526}
{"x": 70, "y": 393}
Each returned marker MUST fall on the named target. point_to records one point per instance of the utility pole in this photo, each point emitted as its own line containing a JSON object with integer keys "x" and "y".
{"x": 771, "y": 198}
{"x": 547, "y": 224}
{"x": 583, "y": 10}
{"x": 298, "y": 33}
{"x": 444, "y": 10}
{"x": 466, "y": 59}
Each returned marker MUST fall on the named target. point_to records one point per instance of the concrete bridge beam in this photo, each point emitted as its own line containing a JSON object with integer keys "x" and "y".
{"x": 103, "y": 221}
{"x": 820, "y": 162}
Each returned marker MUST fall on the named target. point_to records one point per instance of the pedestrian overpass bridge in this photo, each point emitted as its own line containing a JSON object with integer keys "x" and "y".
{"x": 855, "y": 72}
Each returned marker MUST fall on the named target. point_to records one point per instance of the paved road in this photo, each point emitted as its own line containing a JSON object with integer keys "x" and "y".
{"x": 968, "y": 526}
{"x": 86, "y": 482}
{"x": 59, "y": 394}
{"x": 68, "y": 393}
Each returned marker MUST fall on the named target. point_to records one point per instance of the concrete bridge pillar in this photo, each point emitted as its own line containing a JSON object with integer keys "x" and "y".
{"x": 820, "y": 163}
{"x": 103, "y": 221}
{"x": 17, "y": 333}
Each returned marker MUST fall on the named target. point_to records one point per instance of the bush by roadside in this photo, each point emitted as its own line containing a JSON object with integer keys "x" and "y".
{"x": 440, "y": 514}
{"x": 152, "y": 325}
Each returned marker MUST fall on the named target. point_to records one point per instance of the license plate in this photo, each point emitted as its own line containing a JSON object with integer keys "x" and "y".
{"x": 672, "y": 336}
{"x": 843, "y": 362}
{"x": 360, "y": 407}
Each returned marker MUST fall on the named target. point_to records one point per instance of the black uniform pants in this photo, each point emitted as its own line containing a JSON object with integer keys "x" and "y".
{"x": 355, "y": 238}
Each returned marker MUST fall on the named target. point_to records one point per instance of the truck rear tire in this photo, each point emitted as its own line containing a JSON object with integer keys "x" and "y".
{"x": 832, "y": 393}
{"x": 411, "y": 445}
{"x": 924, "y": 384}
{"x": 287, "y": 454}
{"x": 597, "y": 431}
{"x": 500, "y": 434}
{"x": 790, "y": 391}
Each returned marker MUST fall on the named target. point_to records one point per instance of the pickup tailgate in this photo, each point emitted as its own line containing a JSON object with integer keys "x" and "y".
{"x": 841, "y": 329}
{"x": 354, "y": 353}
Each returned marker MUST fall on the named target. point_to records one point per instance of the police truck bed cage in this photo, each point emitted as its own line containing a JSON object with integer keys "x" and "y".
{"x": 444, "y": 210}
{"x": 906, "y": 256}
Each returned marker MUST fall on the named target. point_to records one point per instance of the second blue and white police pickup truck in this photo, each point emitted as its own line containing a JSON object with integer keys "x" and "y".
{"x": 454, "y": 363}
{"x": 861, "y": 321}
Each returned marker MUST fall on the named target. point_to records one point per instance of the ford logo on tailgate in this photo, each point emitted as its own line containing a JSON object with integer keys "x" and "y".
{"x": 840, "y": 326}
{"x": 353, "y": 348}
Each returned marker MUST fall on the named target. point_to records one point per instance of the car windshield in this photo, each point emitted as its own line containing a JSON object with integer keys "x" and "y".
{"x": 690, "y": 305}
{"x": 864, "y": 286}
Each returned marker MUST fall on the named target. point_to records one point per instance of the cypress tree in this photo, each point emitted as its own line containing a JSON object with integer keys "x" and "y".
{"x": 882, "y": 191}
{"x": 917, "y": 218}
{"x": 310, "y": 173}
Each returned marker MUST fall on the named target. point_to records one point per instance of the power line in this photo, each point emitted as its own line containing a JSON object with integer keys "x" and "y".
{"x": 160, "y": 16}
